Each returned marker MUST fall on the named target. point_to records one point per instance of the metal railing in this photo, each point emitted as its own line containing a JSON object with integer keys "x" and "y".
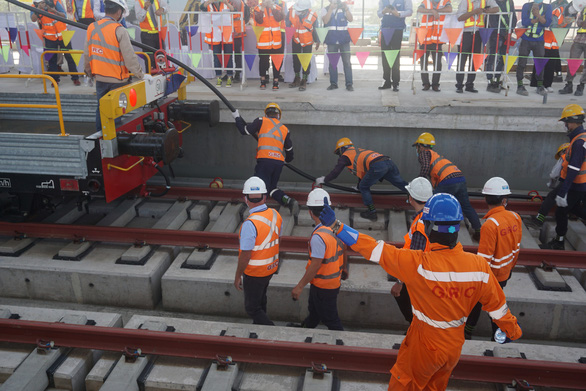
{"x": 18, "y": 21}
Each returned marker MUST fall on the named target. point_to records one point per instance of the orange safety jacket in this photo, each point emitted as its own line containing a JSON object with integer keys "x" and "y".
{"x": 479, "y": 19}
{"x": 329, "y": 273}
{"x": 581, "y": 177}
{"x": 83, "y": 9}
{"x": 216, "y": 36}
{"x": 500, "y": 241}
{"x": 434, "y": 27}
{"x": 440, "y": 168}
{"x": 238, "y": 21}
{"x": 270, "y": 38}
{"x": 104, "y": 50}
{"x": 559, "y": 14}
{"x": 303, "y": 34}
{"x": 52, "y": 28}
{"x": 416, "y": 226}
{"x": 360, "y": 160}
{"x": 549, "y": 41}
{"x": 264, "y": 259}
{"x": 151, "y": 23}
{"x": 271, "y": 140}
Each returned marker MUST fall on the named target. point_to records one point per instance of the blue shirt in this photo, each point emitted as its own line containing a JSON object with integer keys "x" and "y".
{"x": 527, "y": 15}
{"x": 403, "y": 7}
{"x": 317, "y": 244}
{"x": 337, "y": 19}
{"x": 248, "y": 230}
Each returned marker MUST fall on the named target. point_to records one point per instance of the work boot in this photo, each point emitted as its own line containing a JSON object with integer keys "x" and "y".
{"x": 369, "y": 214}
{"x": 303, "y": 85}
{"x": 579, "y": 90}
{"x": 296, "y": 82}
{"x": 293, "y": 206}
{"x": 556, "y": 244}
{"x": 522, "y": 91}
{"x": 541, "y": 90}
{"x": 494, "y": 86}
{"x": 219, "y": 82}
{"x": 535, "y": 222}
{"x": 275, "y": 84}
{"x": 426, "y": 87}
{"x": 229, "y": 82}
{"x": 568, "y": 89}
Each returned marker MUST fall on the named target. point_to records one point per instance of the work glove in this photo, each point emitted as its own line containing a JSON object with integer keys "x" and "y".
{"x": 320, "y": 181}
{"x": 499, "y": 334}
{"x": 561, "y": 202}
{"x": 149, "y": 78}
{"x": 327, "y": 215}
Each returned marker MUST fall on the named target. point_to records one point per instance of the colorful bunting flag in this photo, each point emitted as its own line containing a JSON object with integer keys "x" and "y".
{"x": 25, "y": 49}
{"x": 48, "y": 56}
{"x": 39, "y": 33}
{"x": 391, "y": 56}
{"x": 224, "y": 61}
{"x": 417, "y": 53}
{"x": 76, "y": 57}
{"x": 355, "y": 33}
{"x": 560, "y": 34}
{"x": 258, "y": 31}
{"x": 450, "y": 57}
{"x": 510, "y": 61}
{"x": 195, "y": 58}
{"x": 132, "y": 33}
{"x": 334, "y": 58}
{"x": 573, "y": 65}
{"x": 277, "y": 60}
{"x": 192, "y": 30}
{"x": 5, "y": 52}
{"x": 485, "y": 34}
{"x": 539, "y": 64}
{"x": 12, "y": 31}
{"x": 453, "y": 35}
{"x": 163, "y": 33}
{"x": 226, "y": 33}
{"x": 321, "y": 33}
{"x": 362, "y": 56}
{"x": 304, "y": 59}
{"x": 289, "y": 32}
{"x": 478, "y": 60}
{"x": 519, "y": 32}
{"x": 250, "y": 60}
{"x": 387, "y": 34}
{"x": 421, "y": 34}
{"x": 67, "y": 35}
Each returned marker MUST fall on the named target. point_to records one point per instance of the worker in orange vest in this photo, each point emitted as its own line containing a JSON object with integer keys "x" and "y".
{"x": 222, "y": 44}
{"x": 52, "y": 30}
{"x": 304, "y": 21}
{"x": 149, "y": 13}
{"x": 502, "y": 26}
{"x": 84, "y": 11}
{"x": 269, "y": 16}
{"x": 500, "y": 241}
{"x": 240, "y": 19}
{"x": 258, "y": 258}
{"x": 444, "y": 284}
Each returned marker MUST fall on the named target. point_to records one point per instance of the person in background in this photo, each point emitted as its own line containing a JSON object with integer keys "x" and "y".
{"x": 304, "y": 20}
{"x": 336, "y": 17}
{"x": 269, "y": 16}
{"x": 149, "y": 13}
{"x": 221, "y": 44}
{"x": 497, "y": 43}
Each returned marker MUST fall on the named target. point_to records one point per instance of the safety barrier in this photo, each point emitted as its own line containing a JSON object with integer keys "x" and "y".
{"x": 14, "y": 24}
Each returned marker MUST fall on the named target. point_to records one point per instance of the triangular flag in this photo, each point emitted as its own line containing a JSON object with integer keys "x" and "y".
{"x": 5, "y": 52}
{"x": 48, "y": 56}
{"x": 387, "y": 34}
{"x": 163, "y": 33}
{"x": 421, "y": 34}
{"x": 225, "y": 61}
{"x": 39, "y": 33}
{"x": 573, "y": 65}
{"x": 334, "y": 58}
{"x": 250, "y": 60}
{"x": 304, "y": 59}
{"x": 277, "y": 60}
{"x": 417, "y": 53}
{"x": 258, "y": 31}
{"x": 355, "y": 33}
{"x": 519, "y": 32}
{"x": 289, "y": 31}
{"x": 478, "y": 60}
{"x": 560, "y": 34}
{"x": 226, "y": 33}
{"x": 132, "y": 33}
{"x": 25, "y": 49}
{"x": 450, "y": 57}
{"x": 510, "y": 61}
{"x": 321, "y": 33}
{"x": 12, "y": 31}
{"x": 192, "y": 30}
{"x": 391, "y": 56}
{"x": 362, "y": 56}
{"x": 67, "y": 35}
{"x": 539, "y": 64}
{"x": 485, "y": 34}
{"x": 195, "y": 58}
{"x": 76, "y": 57}
{"x": 453, "y": 35}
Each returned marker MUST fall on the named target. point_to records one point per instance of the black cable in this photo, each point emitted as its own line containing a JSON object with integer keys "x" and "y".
{"x": 167, "y": 182}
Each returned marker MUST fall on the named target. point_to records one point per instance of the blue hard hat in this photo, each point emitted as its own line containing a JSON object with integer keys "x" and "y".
{"x": 442, "y": 207}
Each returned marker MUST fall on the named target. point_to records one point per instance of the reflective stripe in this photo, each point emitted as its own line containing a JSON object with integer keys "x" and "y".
{"x": 439, "y": 173}
{"x": 453, "y": 276}
{"x": 500, "y": 312}
{"x": 340, "y": 249}
{"x": 106, "y": 60}
{"x": 485, "y": 255}
{"x": 533, "y": 30}
{"x": 272, "y": 229}
{"x": 377, "y": 252}
{"x": 338, "y": 28}
{"x": 501, "y": 265}
{"x": 329, "y": 276}
{"x": 263, "y": 262}
{"x": 439, "y": 324}
{"x": 493, "y": 220}
{"x": 477, "y": 20}
{"x": 573, "y": 168}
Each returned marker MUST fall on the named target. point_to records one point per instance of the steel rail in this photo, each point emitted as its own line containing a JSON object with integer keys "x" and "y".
{"x": 202, "y": 239}
{"x": 297, "y": 354}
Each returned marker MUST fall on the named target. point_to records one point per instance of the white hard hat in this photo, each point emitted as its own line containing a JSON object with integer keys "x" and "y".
{"x": 420, "y": 189}
{"x": 316, "y": 197}
{"x": 578, "y": 5}
{"x": 302, "y": 5}
{"x": 254, "y": 185}
{"x": 496, "y": 186}
{"x": 121, "y": 3}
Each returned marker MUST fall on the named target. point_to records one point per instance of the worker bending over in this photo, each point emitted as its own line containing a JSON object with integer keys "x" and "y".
{"x": 500, "y": 241}
{"x": 444, "y": 284}
{"x": 369, "y": 167}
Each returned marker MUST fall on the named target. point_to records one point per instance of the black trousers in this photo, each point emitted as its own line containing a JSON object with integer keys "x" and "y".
{"x": 576, "y": 205}
{"x": 404, "y": 302}
{"x": 269, "y": 170}
{"x": 435, "y": 52}
{"x": 255, "y": 298}
{"x": 60, "y": 45}
{"x": 549, "y": 69}
{"x": 496, "y": 44}
{"x": 297, "y": 48}
{"x": 475, "y": 314}
{"x": 263, "y": 63}
{"x": 153, "y": 41}
{"x": 471, "y": 43}
{"x": 392, "y": 75}
{"x": 323, "y": 307}
{"x": 238, "y": 54}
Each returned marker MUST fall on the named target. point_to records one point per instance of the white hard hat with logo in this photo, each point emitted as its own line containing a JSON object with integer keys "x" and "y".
{"x": 420, "y": 189}
{"x": 121, "y": 3}
{"x": 302, "y": 5}
{"x": 254, "y": 185}
{"x": 496, "y": 186}
{"x": 316, "y": 197}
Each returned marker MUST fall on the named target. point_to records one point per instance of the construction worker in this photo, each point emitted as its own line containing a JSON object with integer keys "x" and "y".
{"x": 108, "y": 53}
{"x": 52, "y": 30}
{"x": 577, "y": 50}
{"x": 84, "y": 11}
{"x": 445, "y": 177}
{"x": 420, "y": 190}
{"x": 336, "y": 17}
{"x": 327, "y": 265}
{"x": 572, "y": 191}
{"x": 221, "y": 44}
{"x": 240, "y": 19}
{"x": 471, "y": 12}
{"x": 274, "y": 149}
{"x": 432, "y": 44}
{"x": 304, "y": 20}
{"x": 500, "y": 241}
{"x": 269, "y": 16}
{"x": 393, "y": 14}
{"x": 258, "y": 258}
{"x": 497, "y": 43}
{"x": 369, "y": 166}
{"x": 149, "y": 13}
{"x": 444, "y": 284}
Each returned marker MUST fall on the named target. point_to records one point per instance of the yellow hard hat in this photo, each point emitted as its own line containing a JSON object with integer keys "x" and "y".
{"x": 343, "y": 142}
{"x": 572, "y": 113}
{"x": 561, "y": 148}
{"x": 425, "y": 139}
{"x": 273, "y": 106}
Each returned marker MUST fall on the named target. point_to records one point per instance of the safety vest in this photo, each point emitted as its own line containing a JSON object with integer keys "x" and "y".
{"x": 84, "y": 9}
{"x": 330, "y": 272}
{"x": 270, "y": 38}
{"x": 151, "y": 24}
{"x": 52, "y": 28}
{"x": 238, "y": 22}
{"x": 532, "y": 32}
{"x": 416, "y": 226}
{"x": 216, "y": 36}
{"x": 583, "y": 17}
{"x": 581, "y": 177}
{"x": 360, "y": 160}
{"x": 477, "y": 20}
{"x": 559, "y": 14}
{"x": 264, "y": 259}
{"x": 303, "y": 34}
{"x": 440, "y": 168}
{"x": 549, "y": 41}
{"x": 505, "y": 18}
{"x": 337, "y": 29}
{"x": 434, "y": 27}
{"x": 500, "y": 241}
{"x": 104, "y": 50}
{"x": 271, "y": 140}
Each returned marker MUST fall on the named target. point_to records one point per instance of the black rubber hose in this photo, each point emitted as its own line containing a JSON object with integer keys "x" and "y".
{"x": 167, "y": 183}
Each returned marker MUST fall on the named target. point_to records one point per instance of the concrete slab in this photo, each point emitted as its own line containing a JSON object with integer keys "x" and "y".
{"x": 547, "y": 232}
{"x": 198, "y": 259}
{"x": 12, "y": 246}
{"x": 201, "y": 211}
{"x": 174, "y": 217}
{"x": 95, "y": 378}
{"x": 216, "y": 211}
{"x": 551, "y": 279}
{"x": 365, "y": 224}
{"x": 288, "y": 222}
{"x": 576, "y": 235}
{"x": 313, "y": 382}
{"x": 154, "y": 209}
{"x": 343, "y": 214}
{"x": 121, "y": 215}
{"x": 5, "y": 313}
{"x": 135, "y": 253}
{"x": 74, "y": 249}
{"x": 229, "y": 219}
{"x": 194, "y": 225}
{"x": 397, "y": 227}
{"x": 527, "y": 240}
{"x": 506, "y": 352}
{"x": 174, "y": 373}
{"x": 304, "y": 219}
{"x": 220, "y": 378}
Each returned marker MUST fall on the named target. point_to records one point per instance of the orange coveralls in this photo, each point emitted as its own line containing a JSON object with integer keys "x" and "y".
{"x": 444, "y": 285}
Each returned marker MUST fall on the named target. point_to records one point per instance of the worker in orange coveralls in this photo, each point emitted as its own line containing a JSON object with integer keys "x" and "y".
{"x": 444, "y": 284}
